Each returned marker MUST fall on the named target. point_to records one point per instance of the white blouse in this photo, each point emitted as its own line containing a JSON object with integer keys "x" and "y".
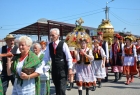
{"x": 101, "y": 51}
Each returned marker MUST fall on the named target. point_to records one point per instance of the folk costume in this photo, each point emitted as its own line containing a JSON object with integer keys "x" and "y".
{"x": 98, "y": 63}
{"x": 129, "y": 61}
{"x": 115, "y": 56}
{"x": 30, "y": 86}
{"x": 104, "y": 45}
{"x": 61, "y": 59}
{"x": 84, "y": 71}
{"x": 138, "y": 56}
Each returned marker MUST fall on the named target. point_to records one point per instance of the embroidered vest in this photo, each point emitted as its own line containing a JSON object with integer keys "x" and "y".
{"x": 83, "y": 58}
{"x": 97, "y": 54}
{"x": 128, "y": 51}
{"x": 138, "y": 49}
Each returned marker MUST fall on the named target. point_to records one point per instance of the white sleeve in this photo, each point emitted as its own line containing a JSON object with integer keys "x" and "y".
{"x": 91, "y": 55}
{"x": 0, "y": 66}
{"x": 123, "y": 53}
{"x": 107, "y": 51}
{"x": 134, "y": 51}
{"x": 78, "y": 56}
{"x": 68, "y": 55}
{"x": 102, "y": 52}
{"x": 111, "y": 52}
{"x": 39, "y": 69}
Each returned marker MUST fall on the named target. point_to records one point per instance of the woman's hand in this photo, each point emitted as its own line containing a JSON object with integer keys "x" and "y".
{"x": 24, "y": 76}
{"x": 103, "y": 65}
{"x": 82, "y": 51}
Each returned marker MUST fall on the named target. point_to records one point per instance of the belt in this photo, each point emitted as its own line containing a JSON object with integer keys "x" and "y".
{"x": 128, "y": 54}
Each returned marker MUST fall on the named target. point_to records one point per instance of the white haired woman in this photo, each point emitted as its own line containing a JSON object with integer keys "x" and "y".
{"x": 26, "y": 66}
{"x": 37, "y": 50}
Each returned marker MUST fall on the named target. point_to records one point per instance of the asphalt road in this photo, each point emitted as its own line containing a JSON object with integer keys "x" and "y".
{"x": 108, "y": 88}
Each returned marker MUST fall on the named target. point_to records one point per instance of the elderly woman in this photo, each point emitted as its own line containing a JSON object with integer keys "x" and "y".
{"x": 26, "y": 66}
{"x": 129, "y": 58}
{"x": 37, "y": 51}
{"x": 84, "y": 72}
{"x": 99, "y": 62}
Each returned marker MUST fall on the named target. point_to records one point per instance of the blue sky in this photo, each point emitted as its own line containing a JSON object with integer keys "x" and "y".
{"x": 15, "y": 14}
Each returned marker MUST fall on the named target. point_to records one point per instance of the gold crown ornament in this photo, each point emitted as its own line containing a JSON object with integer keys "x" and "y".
{"x": 73, "y": 38}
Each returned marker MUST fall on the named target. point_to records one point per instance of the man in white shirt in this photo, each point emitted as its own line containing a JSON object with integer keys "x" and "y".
{"x": 61, "y": 59}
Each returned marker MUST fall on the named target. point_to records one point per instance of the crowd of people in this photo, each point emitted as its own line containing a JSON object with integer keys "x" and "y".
{"x": 25, "y": 65}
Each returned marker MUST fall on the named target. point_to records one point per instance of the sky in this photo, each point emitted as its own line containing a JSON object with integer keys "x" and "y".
{"x": 123, "y": 14}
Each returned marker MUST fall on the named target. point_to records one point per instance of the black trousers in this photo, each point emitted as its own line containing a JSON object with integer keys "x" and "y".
{"x": 5, "y": 81}
{"x": 59, "y": 78}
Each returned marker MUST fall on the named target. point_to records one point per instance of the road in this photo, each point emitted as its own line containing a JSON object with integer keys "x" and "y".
{"x": 108, "y": 88}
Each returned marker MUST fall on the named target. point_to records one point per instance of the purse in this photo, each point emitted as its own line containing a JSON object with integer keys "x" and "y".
{"x": 28, "y": 71}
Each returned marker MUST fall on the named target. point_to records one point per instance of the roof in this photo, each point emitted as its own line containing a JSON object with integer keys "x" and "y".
{"x": 43, "y": 26}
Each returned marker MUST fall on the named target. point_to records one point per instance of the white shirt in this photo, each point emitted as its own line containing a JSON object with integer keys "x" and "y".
{"x": 47, "y": 57}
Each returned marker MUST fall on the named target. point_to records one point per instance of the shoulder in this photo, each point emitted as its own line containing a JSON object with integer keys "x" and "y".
{"x": 5, "y": 46}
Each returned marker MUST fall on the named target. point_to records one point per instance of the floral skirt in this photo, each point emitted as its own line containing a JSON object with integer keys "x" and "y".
{"x": 84, "y": 75}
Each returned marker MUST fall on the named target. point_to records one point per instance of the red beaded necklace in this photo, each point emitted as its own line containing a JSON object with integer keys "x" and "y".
{"x": 22, "y": 57}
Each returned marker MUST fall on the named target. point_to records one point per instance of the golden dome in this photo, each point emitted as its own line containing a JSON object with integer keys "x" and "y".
{"x": 105, "y": 24}
{"x": 107, "y": 29}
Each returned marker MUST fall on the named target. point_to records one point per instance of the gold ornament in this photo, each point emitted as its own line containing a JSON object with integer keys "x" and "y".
{"x": 73, "y": 38}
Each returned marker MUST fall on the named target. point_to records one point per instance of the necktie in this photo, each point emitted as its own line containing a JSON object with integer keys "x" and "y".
{"x": 54, "y": 46}
{"x": 8, "y": 49}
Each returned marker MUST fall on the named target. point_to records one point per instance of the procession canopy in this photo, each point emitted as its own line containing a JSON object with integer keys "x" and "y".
{"x": 73, "y": 38}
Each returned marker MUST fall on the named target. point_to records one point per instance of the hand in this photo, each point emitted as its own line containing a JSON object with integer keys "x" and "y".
{"x": 107, "y": 61}
{"x": 103, "y": 65}
{"x": 82, "y": 51}
{"x": 9, "y": 56}
{"x": 24, "y": 76}
{"x": 70, "y": 73}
